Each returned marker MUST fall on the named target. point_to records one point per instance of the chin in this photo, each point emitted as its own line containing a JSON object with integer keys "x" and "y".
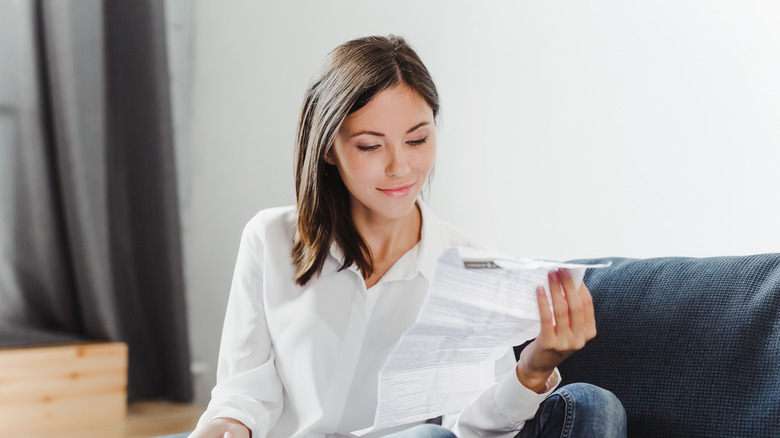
{"x": 396, "y": 208}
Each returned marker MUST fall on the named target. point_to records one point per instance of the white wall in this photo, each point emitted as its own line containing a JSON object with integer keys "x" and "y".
{"x": 600, "y": 128}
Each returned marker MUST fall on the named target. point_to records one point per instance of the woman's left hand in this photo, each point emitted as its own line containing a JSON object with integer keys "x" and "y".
{"x": 575, "y": 324}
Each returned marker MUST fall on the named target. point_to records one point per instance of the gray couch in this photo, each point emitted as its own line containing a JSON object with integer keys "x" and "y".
{"x": 690, "y": 346}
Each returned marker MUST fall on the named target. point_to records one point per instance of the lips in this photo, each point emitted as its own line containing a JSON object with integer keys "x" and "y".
{"x": 398, "y": 191}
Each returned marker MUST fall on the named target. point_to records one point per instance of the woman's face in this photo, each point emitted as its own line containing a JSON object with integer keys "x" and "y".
{"x": 384, "y": 153}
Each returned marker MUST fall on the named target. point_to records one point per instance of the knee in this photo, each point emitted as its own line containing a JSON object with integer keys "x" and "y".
{"x": 592, "y": 396}
{"x": 597, "y": 404}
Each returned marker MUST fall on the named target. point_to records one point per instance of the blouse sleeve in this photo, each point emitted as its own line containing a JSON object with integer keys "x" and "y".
{"x": 248, "y": 386}
{"x": 502, "y": 410}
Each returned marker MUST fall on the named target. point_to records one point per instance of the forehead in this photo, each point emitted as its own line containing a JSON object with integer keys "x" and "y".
{"x": 395, "y": 109}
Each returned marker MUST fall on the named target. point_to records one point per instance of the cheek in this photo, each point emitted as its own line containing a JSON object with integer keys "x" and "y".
{"x": 428, "y": 159}
{"x": 358, "y": 168}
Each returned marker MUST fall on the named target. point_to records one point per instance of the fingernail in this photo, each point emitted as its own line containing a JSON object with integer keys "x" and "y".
{"x": 564, "y": 273}
{"x": 540, "y": 290}
{"x": 552, "y": 276}
{"x": 227, "y": 435}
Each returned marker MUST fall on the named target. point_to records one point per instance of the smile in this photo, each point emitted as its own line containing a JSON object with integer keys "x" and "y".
{"x": 398, "y": 191}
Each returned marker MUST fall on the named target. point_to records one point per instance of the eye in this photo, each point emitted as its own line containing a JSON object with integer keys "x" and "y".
{"x": 418, "y": 142}
{"x": 368, "y": 148}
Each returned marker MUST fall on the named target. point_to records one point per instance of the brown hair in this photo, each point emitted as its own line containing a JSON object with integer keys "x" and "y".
{"x": 349, "y": 77}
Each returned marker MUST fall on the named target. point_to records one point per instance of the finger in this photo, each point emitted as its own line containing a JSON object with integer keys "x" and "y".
{"x": 573, "y": 300}
{"x": 559, "y": 304}
{"x": 547, "y": 331}
{"x": 589, "y": 312}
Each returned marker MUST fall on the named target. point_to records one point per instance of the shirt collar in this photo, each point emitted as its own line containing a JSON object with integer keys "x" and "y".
{"x": 434, "y": 239}
{"x": 422, "y": 257}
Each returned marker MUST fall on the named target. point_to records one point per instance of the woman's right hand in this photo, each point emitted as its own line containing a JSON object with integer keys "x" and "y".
{"x": 575, "y": 324}
{"x": 222, "y": 428}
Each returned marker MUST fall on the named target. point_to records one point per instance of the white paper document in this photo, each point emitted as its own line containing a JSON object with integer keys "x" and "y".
{"x": 468, "y": 320}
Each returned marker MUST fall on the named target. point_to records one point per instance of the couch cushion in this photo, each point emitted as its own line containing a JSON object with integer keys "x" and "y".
{"x": 690, "y": 346}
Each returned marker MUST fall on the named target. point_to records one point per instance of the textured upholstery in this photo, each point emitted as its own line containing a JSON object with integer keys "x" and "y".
{"x": 690, "y": 346}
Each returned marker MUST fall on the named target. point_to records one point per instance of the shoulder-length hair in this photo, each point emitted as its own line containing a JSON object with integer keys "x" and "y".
{"x": 349, "y": 77}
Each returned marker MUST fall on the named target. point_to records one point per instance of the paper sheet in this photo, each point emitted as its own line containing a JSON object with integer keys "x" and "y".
{"x": 469, "y": 319}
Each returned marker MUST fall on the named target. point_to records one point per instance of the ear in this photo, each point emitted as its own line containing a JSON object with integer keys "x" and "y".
{"x": 329, "y": 158}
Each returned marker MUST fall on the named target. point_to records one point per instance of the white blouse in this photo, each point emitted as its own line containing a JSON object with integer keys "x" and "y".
{"x": 303, "y": 361}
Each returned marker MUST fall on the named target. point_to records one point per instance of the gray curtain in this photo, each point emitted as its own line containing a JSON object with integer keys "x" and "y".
{"x": 89, "y": 227}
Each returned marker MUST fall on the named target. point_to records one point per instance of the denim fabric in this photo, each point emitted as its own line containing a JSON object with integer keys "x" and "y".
{"x": 578, "y": 410}
{"x": 690, "y": 346}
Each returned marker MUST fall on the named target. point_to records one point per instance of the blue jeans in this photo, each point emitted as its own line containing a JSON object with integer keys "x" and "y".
{"x": 578, "y": 410}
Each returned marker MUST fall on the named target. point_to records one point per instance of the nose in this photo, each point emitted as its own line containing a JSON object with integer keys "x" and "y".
{"x": 398, "y": 162}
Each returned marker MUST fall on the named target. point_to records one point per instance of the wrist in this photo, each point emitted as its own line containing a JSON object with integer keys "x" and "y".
{"x": 535, "y": 380}
{"x": 532, "y": 377}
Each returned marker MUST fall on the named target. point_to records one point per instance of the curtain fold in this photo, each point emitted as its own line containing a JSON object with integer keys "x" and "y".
{"x": 90, "y": 222}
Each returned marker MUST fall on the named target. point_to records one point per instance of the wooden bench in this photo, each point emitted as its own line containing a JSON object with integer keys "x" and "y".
{"x": 46, "y": 389}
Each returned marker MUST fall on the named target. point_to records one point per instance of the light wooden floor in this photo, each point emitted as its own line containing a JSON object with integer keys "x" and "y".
{"x": 144, "y": 419}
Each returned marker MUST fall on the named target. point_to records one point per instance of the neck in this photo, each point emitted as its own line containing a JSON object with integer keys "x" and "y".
{"x": 389, "y": 238}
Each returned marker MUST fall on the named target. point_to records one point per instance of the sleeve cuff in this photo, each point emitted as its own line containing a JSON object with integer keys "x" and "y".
{"x": 518, "y": 403}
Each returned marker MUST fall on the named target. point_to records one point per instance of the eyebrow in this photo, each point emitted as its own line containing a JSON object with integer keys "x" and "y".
{"x": 379, "y": 134}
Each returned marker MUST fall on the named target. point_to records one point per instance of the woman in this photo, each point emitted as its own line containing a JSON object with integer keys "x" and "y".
{"x": 323, "y": 291}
